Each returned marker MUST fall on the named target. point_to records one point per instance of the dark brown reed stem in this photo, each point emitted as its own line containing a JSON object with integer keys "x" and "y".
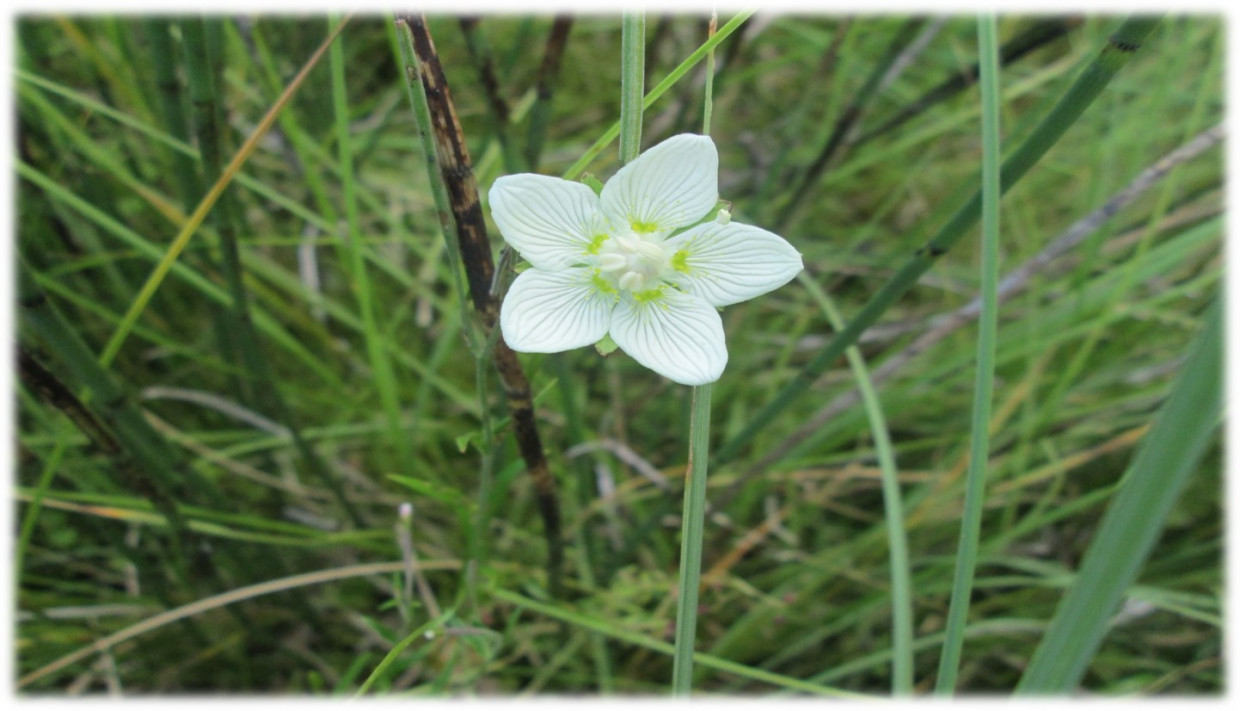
{"x": 456, "y": 170}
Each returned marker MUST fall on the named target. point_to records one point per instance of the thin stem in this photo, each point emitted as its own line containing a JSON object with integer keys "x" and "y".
{"x": 693, "y": 519}
{"x": 709, "y": 102}
{"x": 692, "y": 524}
{"x": 659, "y": 90}
{"x": 988, "y": 323}
{"x": 632, "y": 84}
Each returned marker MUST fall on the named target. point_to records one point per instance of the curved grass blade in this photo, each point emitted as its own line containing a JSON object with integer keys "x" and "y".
{"x": 618, "y": 632}
{"x": 902, "y": 644}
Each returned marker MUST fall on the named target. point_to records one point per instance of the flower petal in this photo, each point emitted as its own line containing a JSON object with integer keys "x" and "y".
{"x": 550, "y": 221}
{"x": 670, "y": 186}
{"x": 676, "y": 335}
{"x": 549, "y": 312}
{"x": 727, "y": 264}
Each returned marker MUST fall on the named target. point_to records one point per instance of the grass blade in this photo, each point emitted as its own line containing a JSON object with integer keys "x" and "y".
{"x": 988, "y": 325}
{"x": 380, "y": 365}
{"x": 893, "y": 507}
{"x": 208, "y": 201}
{"x": 1168, "y": 455}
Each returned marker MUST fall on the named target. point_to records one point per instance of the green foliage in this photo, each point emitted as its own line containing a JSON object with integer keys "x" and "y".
{"x": 188, "y": 472}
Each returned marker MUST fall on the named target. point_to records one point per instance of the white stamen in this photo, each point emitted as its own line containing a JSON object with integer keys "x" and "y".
{"x": 632, "y": 262}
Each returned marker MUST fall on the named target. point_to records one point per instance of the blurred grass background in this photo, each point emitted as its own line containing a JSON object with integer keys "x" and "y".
{"x": 212, "y": 460}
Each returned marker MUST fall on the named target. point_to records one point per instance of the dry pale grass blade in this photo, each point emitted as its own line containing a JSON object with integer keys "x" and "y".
{"x": 181, "y": 241}
{"x": 223, "y": 599}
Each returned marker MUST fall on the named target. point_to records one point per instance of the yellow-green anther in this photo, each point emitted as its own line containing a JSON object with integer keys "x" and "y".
{"x": 680, "y": 261}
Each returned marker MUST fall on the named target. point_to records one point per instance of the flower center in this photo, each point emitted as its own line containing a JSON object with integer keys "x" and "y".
{"x": 632, "y": 262}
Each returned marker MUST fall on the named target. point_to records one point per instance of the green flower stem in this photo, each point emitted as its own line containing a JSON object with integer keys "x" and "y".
{"x": 632, "y": 84}
{"x": 988, "y": 324}
{"x": 693, "y": 520}
{"x": 1123, "y": 45}
{"x": 709, "y": 103}
{"x": 659, "y": 90}
{"x": 691, "y": 541}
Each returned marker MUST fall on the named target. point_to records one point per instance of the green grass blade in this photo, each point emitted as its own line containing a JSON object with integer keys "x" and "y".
{"x": 618, "y": 632}
{"x": 265, "y": 322}
{"x": 385, "y": 379}
{"x": 204, "y": 206}
{"x": 427, "y": 627}
{"x": 988, "y": 324}
{"x": 1167, "y": 457}
{"x": 893, "y": 507}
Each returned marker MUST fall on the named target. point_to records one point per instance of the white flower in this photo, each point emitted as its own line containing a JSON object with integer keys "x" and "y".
{"x": 615, "y": 264}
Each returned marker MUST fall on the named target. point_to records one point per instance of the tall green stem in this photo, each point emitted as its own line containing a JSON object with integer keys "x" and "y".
{"x": 693, "y": 519}
{"x": 988, "y": 323}
{"x": 692, "y": 526}
{"x": 632, "y": 84}
{"x": 657, "y": 91}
